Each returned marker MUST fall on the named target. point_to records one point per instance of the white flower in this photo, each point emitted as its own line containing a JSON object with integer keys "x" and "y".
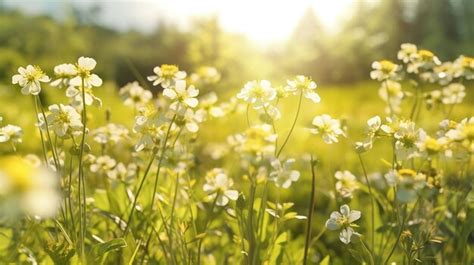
{"x": 453, "y": 94}
{"x": 110, "y": 134}
{"x": 151, "y": 127}
{"x": 64, "y": 73}
{"x": 192, "y": 119}
{"x": 181, "y": 96}
{"x": 11, "y": 133}
{"x": 257, "y": 141}
{"x": 75, "y": 93}
{"x": 282, "y": 174}
{"x": 407, "y": 50}
{"x": 343, "y": 220}
{"x": 218, "y": 184}
{"x": 423, "y": 61}
{"x": 63, "y": 120}
{"x": 430, "y": 146}
{"x": 208, "y": 103}
{"x": 259, "y": 94}
{"x": 306, "y": 84}
{"x": 122, "y": 172}
{"x": 32, "y": 189}
{"x": 406, "y": 136}
{"x": 103, "y": 165}
{"x": 384, "y": 70}
{"x": 84, "y": 66}
{"x": 30, "y": 79}
{"x": 374, "y": 124}
{"x": 166, "y": 75}
{"x": 464, "y": 66}
{"x": 134, "y": 95}
{"x": 391, "y": 92}
{"x": 408, "y": 183}
{"x": 346, "y": 184}
{"x": 329, "y": 128}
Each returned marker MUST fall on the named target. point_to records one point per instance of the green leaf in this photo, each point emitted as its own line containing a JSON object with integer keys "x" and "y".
{"x": 101, "y": 249}
{"x": 325, "y": 261}
{"x": 283, "y": 237}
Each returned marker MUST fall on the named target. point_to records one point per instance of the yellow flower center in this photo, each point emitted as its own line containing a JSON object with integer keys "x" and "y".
{"x": 168, "y": 71}
{"x": 18, "y": 171}
{"x": 432, "y": 145}
{"x": 467, "y": 62}
{"x": 387, "y": 66}
{"x": 468, "y": 131}
{"x": 425, "y": 55}
{"x": 406, "y": 172}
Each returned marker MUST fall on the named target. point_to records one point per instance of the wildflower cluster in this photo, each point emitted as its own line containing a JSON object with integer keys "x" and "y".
{"x": 156, "y": 190}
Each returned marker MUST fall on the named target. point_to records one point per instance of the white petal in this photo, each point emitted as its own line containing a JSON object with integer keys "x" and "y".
{"x": 331, "y": 224}
{"x": 345, "y": 235}
{"x": 87, "y": 63}
{"x": 192, "y": 102}
{"x": 169, "y": 93}
{"x": 232, "y": 194}
{"x": 345, "y": 210}
{"x": 354, "y": 215}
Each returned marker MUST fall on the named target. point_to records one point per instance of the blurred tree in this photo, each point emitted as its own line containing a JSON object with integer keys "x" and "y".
{"x": 306, "y": 49}
{"x": 436, "y": 27}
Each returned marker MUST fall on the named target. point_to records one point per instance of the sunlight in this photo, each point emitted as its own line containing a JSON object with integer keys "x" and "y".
{"x": 262, "y": 21}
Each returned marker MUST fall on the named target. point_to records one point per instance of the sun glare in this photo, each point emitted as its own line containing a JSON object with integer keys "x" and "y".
{"x": 263, "y": 21}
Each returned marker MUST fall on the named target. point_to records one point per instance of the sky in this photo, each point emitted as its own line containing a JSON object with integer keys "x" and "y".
{"x": 261, "y": 20}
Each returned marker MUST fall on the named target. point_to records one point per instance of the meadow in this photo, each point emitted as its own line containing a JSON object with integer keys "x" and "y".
{"x": 176, "y": 169}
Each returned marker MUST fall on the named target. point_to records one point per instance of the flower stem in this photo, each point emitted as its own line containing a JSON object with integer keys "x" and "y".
{"x": 50, "y": 141}
{"x": 82, "y": 188}
{"x": 137, "y": 194}
{"x": 206, "y": 225}
{"x": 372, "y": 204}
{"x": 292, "y": 126}
{"x": 160, "y": 161}
{"x": 41, "y": 134}
{"x": 371, "y": 258}
{"x": 310, "y": 211}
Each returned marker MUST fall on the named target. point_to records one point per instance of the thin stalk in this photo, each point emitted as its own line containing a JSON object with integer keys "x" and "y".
{"x": 372, "y": 203}
{"x": 396, "y": 242}
{"x": 371, "y": 258}
{"x": 160, "y": 161}
{"x": 260, "y": 217}
{"x": 292, "y": 126}
{"x": 50, "y": 141}
{"x": 173, "y": 206}
{"x": 46, "y": 161}
{"x": 206, "y": 225}
{"x": 310, "y": 212}
{"x": 274, "y": 129}
{"x": 137, "y": 194}
{"x": 71, "y": 212}
{"x": 250, "y": 231}
{"x": 415, "y": 104}
{"x": 82, "y": 188}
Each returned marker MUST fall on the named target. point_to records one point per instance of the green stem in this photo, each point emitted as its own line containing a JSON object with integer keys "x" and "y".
{"x": 250, "y": 231}
{"x": 371, "y": 258}
{"x": 206, "y": 225}
{"x": 160, "y": 161}
{"x": 41, "y": 134}
{"x": 137, "y": 194}
{"x": 396, "y": 242}
{"x": 310, "y": 212}
{"x": 82, "y": 188}
{"x": 372, "y": 206}
{"x": 292, "y": 126}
